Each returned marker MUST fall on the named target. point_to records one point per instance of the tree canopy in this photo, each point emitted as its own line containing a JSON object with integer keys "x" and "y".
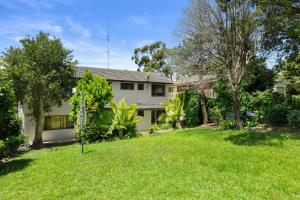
{"x": 225, "y": 32}
{"x": 97, "y": 93}
{"x": 42, "y": 73}
{"x": 152, "y": 58}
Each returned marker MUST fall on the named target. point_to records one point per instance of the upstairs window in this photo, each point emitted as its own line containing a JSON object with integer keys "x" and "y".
{"x": 140, "y": 86}
{"x": 158, "y": 90}
{"x": 127, "y": 86}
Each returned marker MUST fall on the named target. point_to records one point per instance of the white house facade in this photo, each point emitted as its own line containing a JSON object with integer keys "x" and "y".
{"x": 147, "y": 90}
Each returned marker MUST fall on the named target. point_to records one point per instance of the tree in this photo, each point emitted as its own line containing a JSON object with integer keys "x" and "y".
{"x": 279, "y": 22}
{"x": 190, "y": 58}
{"x": 174, "y": 111}
{"x": 124, "y": 118}
{"x": 42, "y": 72}
{"x": 226, "y": 30}
{"x": 10, "y": 124}
{"x": 257, "y": 76}
{"x": 97, "y": 93}
{"x": 152, "y": 58}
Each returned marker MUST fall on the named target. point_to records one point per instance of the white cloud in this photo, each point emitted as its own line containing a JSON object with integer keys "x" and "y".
{"x": 78, "y": 28}
{"x": 139, "y": 20}
{"x": 18, "y": 26}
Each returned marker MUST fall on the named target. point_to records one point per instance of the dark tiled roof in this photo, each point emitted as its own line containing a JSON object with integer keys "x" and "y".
{"x": 123, "y": 75}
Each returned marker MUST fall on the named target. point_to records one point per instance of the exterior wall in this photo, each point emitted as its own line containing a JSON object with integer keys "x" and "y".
{"x": 48, "y": 135}
{"x": 145, "y": 123}
{"x": 140, "y": 97}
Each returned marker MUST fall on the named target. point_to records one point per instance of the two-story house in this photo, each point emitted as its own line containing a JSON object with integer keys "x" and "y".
{"x": 147, "y": 90}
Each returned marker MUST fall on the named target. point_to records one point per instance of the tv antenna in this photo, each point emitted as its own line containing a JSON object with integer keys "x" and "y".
{"x": 107, "y": 35}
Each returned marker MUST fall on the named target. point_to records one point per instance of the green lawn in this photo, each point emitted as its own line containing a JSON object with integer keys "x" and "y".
{"x": 187, "y": 164}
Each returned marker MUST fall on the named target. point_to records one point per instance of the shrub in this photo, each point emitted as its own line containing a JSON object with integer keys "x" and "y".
{"x": 251, "y": 122}
{"x": 294, "y": 118}
{"x": 228, "y": 124}
{"x": 276, "y": 115}
{"x": 295, "y": 102}
{"x": 174, "y": 111}
{"x": 215, "y": 115}
{"x": 165, "y": 126}
{"x": 97, "y": 93}
{"x": 191, "y": 99}
{"x": 153, "y": 128}
{"x": 10, "y": 124}
{"x": 124, "y": 120}
{"x": 94, "y": 133}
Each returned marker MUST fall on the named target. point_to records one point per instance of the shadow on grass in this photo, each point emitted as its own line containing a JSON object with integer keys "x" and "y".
{"x": 13, "y": 166}
{"x": 254, "y": 138}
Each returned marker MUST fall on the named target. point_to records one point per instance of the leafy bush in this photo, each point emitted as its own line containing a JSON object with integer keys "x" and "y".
{"x": 153, "y": 128}
{"x": 191, "y": 99}
{"x": 215, "y": 115}
{"x": 165, "y": 126}
{"x": 258, "y": 102}
{"x": 294, "y": 118}
{"x": 174, "y": 111}
{"x": 124, "y": 120}
{"x": 276, "y": 115}
{"x": 97, "y": 93}
{"x": 10, "y": 124}
{"x": 295, "y": 102}
{"x": 228, "y": 124}
{"x": 224, "y": 100}
{"x": 251, "y": 122}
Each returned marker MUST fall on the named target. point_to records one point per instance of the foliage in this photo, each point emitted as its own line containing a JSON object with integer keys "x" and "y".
{"x": 251, "y": 121}
{"x": 289, "y": 74}
{"x": 157, "y": 127}
{"x": 228, "y": 124}
{"x": 258, "y": 77}
{"x": 224, "y": 100}
{"x": 95, "y": 133}
{"x": 215, "y": 115}
{"x": 98, "y": 93}
{"x": 152, "y": 58}
{"x": 174, "y": 111}
{"x": 294, "y": 118}
{"x": 225, "y": 34}
{"x": 276, "y": 115}
{"x": 124, "y": 120}
{"x": 258, "y": 102}
{"x": 280, "y": 26}
{"x": 42, "y": 72}
{"x": 191, "y": 99}
{"x": 10, "y": 125}
{"x": 153, "y": 128}
{"x": 295, "y": 102}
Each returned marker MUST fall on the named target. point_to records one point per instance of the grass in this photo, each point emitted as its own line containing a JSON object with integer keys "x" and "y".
{"x": 187, "y": 164}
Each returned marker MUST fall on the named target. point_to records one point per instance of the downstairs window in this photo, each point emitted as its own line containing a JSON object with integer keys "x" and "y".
{"x": 57, "y": 122}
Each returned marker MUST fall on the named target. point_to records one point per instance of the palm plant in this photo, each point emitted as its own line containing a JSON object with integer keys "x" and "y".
{"x": 174, "y": 111}
{"x": 124, "y": 117}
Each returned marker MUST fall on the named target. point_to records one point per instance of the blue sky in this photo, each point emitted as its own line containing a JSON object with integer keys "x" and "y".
{"x": 81, "y": 24}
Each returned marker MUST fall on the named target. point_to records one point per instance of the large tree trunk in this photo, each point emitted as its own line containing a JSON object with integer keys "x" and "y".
{"x": 178, "y": 124}
{"x": 203, "y": 106}
{"x": 39, "y": 116}
{"x": 237, "y": 109}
